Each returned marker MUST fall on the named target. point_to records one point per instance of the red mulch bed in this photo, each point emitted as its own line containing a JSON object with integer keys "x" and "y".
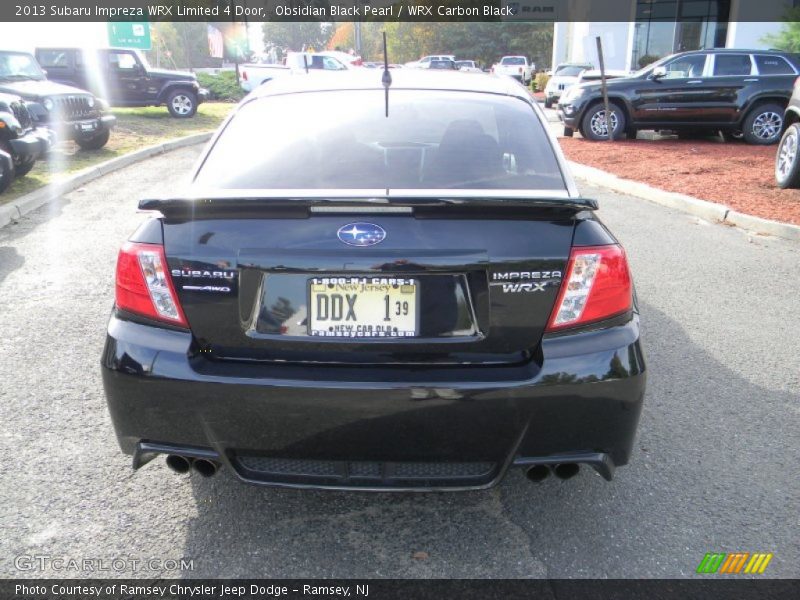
{"x": 738, "y": 175}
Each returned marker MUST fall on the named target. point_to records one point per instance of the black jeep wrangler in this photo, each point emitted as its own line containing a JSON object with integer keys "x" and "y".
{"x": 124, "y": 78}
{"x": 21, "y": 144}
{"x": 70, "y": 113}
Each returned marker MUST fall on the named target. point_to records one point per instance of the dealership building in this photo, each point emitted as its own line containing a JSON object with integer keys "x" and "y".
{"x": 650, "y": 29}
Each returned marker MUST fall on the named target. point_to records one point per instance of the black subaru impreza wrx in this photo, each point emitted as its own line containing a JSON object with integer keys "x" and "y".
{"x": 377, "y": 285}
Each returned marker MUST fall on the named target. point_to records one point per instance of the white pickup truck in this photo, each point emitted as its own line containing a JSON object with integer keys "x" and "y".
{"x": 254, "y": 74}
{"x": 517, "y": 67}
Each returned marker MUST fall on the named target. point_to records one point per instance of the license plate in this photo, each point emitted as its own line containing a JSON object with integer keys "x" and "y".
{"x": 87, "y": 126}
{"x": 363, "y": 307}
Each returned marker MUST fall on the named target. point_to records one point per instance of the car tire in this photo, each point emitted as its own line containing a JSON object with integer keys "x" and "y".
{"x": 763, "y": 125}
{"x": 787, "y": 159}
{"x": 548, "y": 103}
{"x": 6, "y": 171}
{"x": 21, "y": 166}
{"x": 182, "y": 104}
{"x": 96, "y": 142}
{"x": 24, "y": 167}
{"x": 593, "y": 123}
{"x": 569, "y": 132}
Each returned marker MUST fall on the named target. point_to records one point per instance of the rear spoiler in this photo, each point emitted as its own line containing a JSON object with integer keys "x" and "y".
{"x": 299, "y": 207}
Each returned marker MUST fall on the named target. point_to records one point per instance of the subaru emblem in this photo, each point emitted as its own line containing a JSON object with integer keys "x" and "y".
{"x": 361, "y": 234}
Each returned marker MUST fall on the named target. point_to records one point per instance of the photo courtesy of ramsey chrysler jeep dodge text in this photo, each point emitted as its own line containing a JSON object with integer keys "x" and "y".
{"x": 377, "y": 281}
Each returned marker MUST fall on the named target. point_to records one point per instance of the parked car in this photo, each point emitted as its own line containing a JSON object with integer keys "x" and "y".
{"x": 517, "y": 67}
{"x": 595, "y": 75}
{"x": 375, "y": 304}
{"x": 736, "y": 92}
{"x": 424, "y": 62}
{"x": 347, "y": 59}
{"x": 253, "y": 75}
{"x": 68, "y": 112}
{"x": 123, "y": 77}
{"x": 21, "y": 143}
{"x": 565, "y": 75}
{"x": 468, "y": 65}
{"x": 787, "y": 159}
{"x": 442, "y": 64}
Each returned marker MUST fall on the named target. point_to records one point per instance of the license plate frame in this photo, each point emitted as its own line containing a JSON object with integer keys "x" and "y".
{"x": 384, "y": 285}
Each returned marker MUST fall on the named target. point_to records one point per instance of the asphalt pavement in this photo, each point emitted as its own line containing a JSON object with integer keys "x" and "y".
{"x": 714, "y": 467}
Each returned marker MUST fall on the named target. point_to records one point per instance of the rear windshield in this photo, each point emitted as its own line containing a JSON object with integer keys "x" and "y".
{"x": 343, "y": 140}
{"x": 513, "y": 60}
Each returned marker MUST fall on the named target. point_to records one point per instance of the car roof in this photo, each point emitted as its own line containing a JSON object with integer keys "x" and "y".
{"x": 409, "y": 79}
{"x": 734, "y": 51}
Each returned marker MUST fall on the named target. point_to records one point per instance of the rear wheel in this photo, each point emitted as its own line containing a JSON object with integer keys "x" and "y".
{"x": 594, "y": 126}
{"x": 763, "y": 125}
{"x": 182, "y": 104}
{"x": 569, "y": 132}
{"x": 95, "y": 143}
{"x": 787, "y": 160}
{"x": 548, "y": 103}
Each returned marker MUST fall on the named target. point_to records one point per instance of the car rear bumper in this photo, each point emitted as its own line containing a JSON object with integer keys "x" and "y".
{"x": 377, "y": 428}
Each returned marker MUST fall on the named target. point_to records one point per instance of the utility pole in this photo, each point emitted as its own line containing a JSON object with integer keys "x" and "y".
{"x": 604, "y": 89}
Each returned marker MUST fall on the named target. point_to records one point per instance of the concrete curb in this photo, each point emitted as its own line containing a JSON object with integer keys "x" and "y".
{"x": 21, "y": 206}
{"x": 710, "y": 211}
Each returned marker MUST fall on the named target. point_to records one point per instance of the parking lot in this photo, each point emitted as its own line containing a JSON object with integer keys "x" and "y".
{"x": 714, "y": 467}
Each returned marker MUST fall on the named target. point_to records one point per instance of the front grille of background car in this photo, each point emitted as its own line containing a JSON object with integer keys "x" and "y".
{"x": 21, "y": 114}
{"x": 73, "y": 107}
{"x": 366, "y": 473}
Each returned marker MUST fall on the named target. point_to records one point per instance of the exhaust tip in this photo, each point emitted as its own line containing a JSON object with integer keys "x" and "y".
{"x": 567, "y": 470}
{"x": 538, "y": 473}
{"x": 179, "y": 464}
{"x": 206, "y": 468}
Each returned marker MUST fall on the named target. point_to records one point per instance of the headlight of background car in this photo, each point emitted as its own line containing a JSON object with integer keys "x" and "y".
{"x": 48, "y": 104}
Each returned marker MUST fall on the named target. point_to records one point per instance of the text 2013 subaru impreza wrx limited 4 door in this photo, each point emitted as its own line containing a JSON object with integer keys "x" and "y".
{"x": 377, "y": 286}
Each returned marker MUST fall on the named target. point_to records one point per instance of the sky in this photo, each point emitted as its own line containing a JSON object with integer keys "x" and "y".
{"x": 27, "y": 36}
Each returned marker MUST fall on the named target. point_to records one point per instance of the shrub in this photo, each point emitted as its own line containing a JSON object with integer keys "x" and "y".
{"x": 647, "y": 59}
{"x": 540, "y": 81}
{"x": 222, "y": 86}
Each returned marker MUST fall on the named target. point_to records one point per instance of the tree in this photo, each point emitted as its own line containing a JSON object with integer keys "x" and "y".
{"x": 181, "y": 45}
{"x": 295, "y": 37}
{"x": 788, "y": 39}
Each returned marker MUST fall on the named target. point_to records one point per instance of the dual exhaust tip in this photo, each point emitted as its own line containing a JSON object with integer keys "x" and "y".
{"x": 538, "y": 473}
{"x": 183, "y": 464}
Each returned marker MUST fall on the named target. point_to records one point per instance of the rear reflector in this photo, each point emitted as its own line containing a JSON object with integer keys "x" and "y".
{"x": 597, "y": 286}
{"x": 144, "y": 286}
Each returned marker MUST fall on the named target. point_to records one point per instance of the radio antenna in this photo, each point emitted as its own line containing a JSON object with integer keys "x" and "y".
{"x": 386, "y": 80}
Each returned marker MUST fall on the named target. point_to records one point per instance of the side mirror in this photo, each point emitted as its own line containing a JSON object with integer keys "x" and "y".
{"x": 659, "y": 73}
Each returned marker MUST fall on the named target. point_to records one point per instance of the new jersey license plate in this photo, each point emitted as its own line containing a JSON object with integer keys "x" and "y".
{"x": 363, "y": 307}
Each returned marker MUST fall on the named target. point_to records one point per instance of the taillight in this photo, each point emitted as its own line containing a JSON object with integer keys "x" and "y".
{"x": 244, "y": 75}
{"x": 597, "y": 285}
{"x": 144, "y": 286}
{"x": 520, "y": 69}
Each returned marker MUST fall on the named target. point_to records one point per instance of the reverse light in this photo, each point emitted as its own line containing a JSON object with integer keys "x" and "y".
{"x": 144, "y": 286}
{"x": 597, "y": 286}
